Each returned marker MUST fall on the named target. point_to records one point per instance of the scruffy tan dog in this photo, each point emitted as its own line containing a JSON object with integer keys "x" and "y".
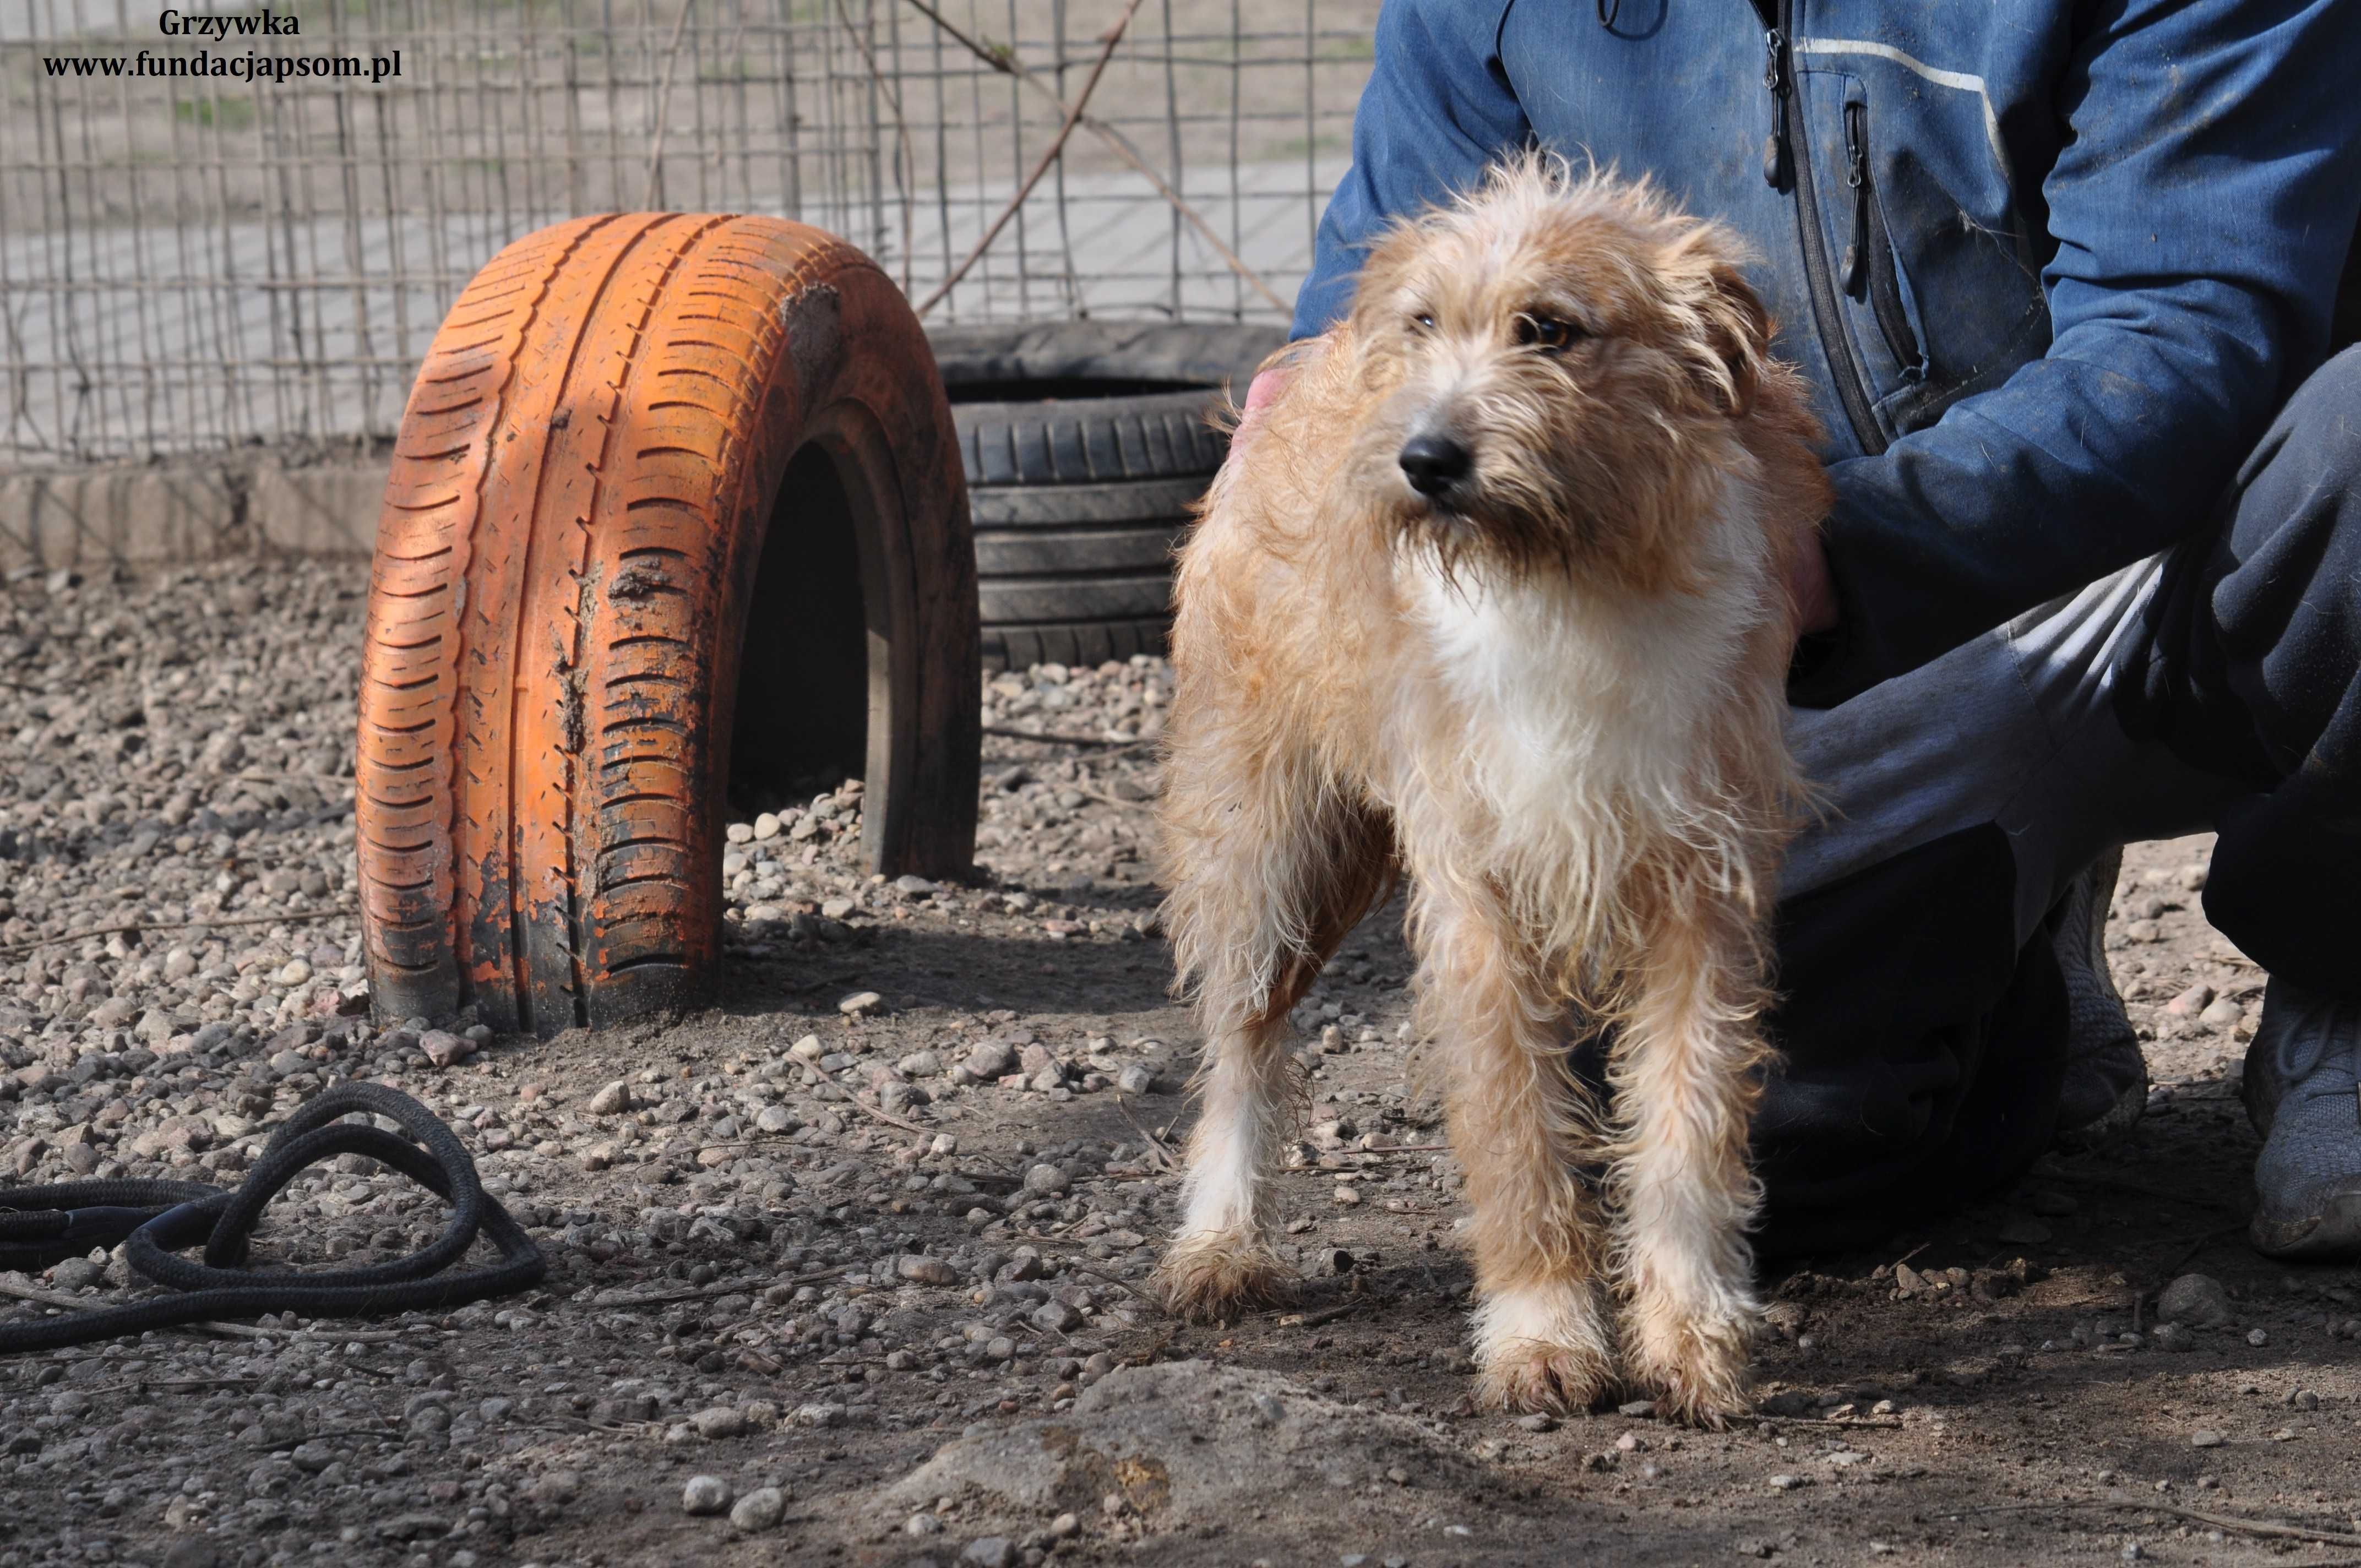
{"x": 1494, "y": 595}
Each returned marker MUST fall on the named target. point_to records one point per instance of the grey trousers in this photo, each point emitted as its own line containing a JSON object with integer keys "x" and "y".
{"x": 1922, "y": 1014}
{"x": 2018, "y": 728}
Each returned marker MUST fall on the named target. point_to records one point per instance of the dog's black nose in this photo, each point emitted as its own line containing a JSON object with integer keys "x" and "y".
{"x": 1434, "y": 464}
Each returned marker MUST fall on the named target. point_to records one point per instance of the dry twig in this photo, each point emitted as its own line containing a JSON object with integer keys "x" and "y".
{"x": 1113, "y": 37}
{"x": 300, "y": 918}
{"x": 664, "y": 102}
{"x": 1007, "y": 732}
{"x": 887, "y": 1117}
{"x": 1155, "y": 1145}
{"x": 1006, "y": 61}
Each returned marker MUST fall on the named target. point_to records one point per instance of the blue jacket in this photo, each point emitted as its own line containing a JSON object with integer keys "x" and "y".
{"x": 2050, "y": 266}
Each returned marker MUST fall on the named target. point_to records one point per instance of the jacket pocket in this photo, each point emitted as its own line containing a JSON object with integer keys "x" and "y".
{"x": 1867, "y": 270}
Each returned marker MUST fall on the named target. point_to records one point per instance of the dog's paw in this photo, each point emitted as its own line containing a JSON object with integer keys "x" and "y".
{"x": 1695, "y": 1368}
{"x": 1214, "y": 1279}
{"x": 1551, "y": 1379}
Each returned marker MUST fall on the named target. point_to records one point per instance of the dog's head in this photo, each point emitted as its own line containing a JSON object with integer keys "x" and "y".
{"x": 1559, "y": 361}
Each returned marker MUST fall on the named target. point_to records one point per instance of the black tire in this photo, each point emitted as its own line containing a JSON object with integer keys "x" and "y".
{"x": 1085, "y": 446}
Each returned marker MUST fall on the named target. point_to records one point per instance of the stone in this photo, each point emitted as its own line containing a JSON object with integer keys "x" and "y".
{"x": 920, "y": 1064}
{"x": 444, "y": 1048}
{"x": 758, "y": 1510}
{"x": 766, "y": 826}
{"x": 2192, "y": 1002}
{"x": 1136, "y": 1079}
{"x": 777, "y": 1119}
{"x": 1046, "y": 1180}
{"x": 922, "y": 1271}
{"x": 860, "y": 1001}
{"x": 720, "y": 1422}
{"x": 2205, "y": 1438}
{"x": 1183, "y": 1442}
{"x": 77, "y": 1273}
{"x": 1056, "y": 1317}
{"x": 2195, "y": 1300}
{"x": 2220, "y": 1014}
{"x": 611, "y": 1100}
{"x": 990, "y": 1551}
{"x": 990, "y": 1060}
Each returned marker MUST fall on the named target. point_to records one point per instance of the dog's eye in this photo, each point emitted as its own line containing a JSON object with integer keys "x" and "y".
{"x": 1547, "y": 333}
{"x": 1422, "y": 322}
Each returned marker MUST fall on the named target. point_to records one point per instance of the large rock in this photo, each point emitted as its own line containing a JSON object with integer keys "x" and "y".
{"x": 1181, "y": 1443}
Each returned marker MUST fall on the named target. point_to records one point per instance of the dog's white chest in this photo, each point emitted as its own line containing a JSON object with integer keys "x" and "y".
{"x": 1564, "y": 710}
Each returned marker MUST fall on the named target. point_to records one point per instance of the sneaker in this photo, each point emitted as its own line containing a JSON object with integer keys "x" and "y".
{"x": 2106, "y": 1091}
{"x": 2302, "y": 1092}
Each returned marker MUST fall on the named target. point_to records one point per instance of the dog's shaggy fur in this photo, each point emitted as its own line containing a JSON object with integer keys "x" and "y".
{"x": 1494, "y": 595}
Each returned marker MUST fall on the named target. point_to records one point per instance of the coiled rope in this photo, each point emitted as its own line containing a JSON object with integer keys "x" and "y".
{"x": 42, "y": 1226}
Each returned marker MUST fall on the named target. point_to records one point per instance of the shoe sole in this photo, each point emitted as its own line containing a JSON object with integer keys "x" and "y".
{"x": 2331, "y": 1236}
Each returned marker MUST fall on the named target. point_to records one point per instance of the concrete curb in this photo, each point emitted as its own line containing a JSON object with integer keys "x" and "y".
{"x": 85, "y": 519}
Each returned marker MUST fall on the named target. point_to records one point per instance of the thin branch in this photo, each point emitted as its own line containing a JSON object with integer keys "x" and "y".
{"x": 1006, "y": 732}
{"x": 1114, "y": 36}
{"x": 887, "y": 1117}
{"x": 1006, "y": 61}
{"x": 663, "y": 103}
{"x": 302, "y": 917}
{"x": 1155, "y": 1145}
{"x": 906, "y": 171}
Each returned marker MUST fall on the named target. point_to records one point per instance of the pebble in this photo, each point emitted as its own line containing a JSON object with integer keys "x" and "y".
{"x": 2190, "y": 1003}
{"x": 2257, "y": 1338}
{"x": 76, "y": 1273}
{"x": 922, "y": 1271}
{"x": 2205, "y": 1438}
{"x": 860, "y": 1001}
{"x": 720, "y": 1422}
{"x": 611, "y": 1100}
{"x": 704, "y": 1495}
{"x": 990, "y": 1060}
{"x": 990, "y": 1551}
{"x": 2198, "y": 1300}
{"x": 1046, "y": 1180}
{"x": 759, "y": 1510}
{"x": 1136, "y": 1079}
{"x": 445, "y": 1049}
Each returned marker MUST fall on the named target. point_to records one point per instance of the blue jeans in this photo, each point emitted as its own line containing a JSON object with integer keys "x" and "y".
{"x": 2215, "y": 685}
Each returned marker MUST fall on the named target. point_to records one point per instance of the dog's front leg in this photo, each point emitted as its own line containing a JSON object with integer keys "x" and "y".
{"x": 1269, "y": 868}
{"x": 1685, "y": 1075}
{"x": 1522, "y": 1127}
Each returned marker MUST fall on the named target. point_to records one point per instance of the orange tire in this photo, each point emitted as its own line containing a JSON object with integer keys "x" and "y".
{"x": 660, "y": 474}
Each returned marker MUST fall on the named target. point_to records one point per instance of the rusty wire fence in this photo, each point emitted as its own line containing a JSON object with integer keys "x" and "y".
{"x": 197, "y": 253}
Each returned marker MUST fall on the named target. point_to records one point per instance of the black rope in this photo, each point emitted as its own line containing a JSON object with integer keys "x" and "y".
{"x": 1608, "y": 11}
{"x": 42, "y": 1226}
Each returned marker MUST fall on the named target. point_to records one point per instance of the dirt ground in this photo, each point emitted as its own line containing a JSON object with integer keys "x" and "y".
{"x": 853, "y": 1260}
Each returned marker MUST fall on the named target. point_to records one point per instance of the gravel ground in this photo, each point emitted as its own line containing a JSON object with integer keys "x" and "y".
{"x": 845, "y": 1268}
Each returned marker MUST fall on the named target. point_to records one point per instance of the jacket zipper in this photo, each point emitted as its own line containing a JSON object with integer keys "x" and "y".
{"x": 1868, "y": 271}
{"x": 1780, "y": 157}
{"x": 1856, "y": 249}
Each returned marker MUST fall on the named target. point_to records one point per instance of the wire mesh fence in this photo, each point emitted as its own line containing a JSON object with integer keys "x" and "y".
{"x": 218, "y": 238}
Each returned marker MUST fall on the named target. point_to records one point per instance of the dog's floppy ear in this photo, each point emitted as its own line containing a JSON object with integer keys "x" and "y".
{"x": 1726, "y": 332}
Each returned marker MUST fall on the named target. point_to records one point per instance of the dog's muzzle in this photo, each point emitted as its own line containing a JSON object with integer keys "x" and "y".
{"x": 1435, "y": 465}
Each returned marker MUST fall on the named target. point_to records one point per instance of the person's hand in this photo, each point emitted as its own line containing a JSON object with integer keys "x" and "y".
{"x": 1259, "y": 393}
{"x": 1808, "y": 587}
